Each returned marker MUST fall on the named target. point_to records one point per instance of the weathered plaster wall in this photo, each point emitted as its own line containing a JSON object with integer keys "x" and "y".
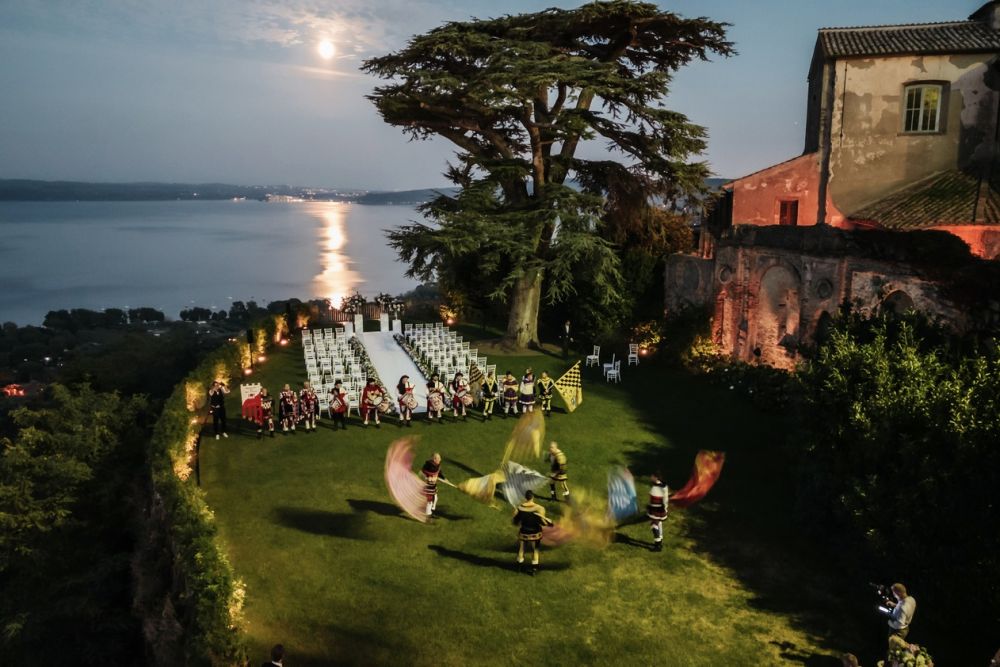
{"x": 756, "y": 197}
{"x": 871, "y": 156}
{"x": 770, "y": 294}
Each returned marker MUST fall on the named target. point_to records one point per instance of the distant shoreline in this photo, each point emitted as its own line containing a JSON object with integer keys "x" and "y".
{"x": 25, "y": 190}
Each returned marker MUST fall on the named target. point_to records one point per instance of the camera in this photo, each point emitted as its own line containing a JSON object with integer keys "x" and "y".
{"x": 886, "y": 600}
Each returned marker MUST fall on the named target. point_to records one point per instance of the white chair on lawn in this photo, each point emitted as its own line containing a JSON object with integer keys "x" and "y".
{"x": 595, "y": 358}
{"x": 633, "y": 354}
{"x": 323, "y": 400}
{"x": 352, "y": 403}
{"x": 609, "y": 366}
{"x": 614, "y": 373}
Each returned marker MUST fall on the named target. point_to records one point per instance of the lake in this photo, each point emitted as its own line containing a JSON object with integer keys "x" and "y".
{"x": 178, "y": 254}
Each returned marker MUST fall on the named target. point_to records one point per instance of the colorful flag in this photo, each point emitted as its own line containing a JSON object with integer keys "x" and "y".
{"x": 475, "y": 373}
{"x": 517, "y": 479}
{"x": 570, "y": 387}
{"x": 406, "y": 489}
{"x": 525, "y": 442}
{"x": 480, "y": 488}
{"x": 622, "y": 499}
{"x": 584, "y": 520}
{"x": 707, "y": 468}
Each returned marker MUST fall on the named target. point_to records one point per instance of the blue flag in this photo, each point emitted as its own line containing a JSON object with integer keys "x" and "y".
{"x": 622, "y": 500}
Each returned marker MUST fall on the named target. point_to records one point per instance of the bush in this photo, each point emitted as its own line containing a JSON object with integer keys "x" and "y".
{"x": 899, "y": 452}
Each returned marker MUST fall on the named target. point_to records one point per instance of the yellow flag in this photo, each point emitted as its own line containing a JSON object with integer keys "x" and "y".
{"x": 570, "y": 387}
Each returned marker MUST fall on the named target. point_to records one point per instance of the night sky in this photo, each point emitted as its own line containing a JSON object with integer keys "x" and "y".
{"x": 246, "y": 91}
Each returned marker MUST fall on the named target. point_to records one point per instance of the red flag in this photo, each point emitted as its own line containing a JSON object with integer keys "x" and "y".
{"x": 406, "y": 489}
{"x": 251, "y": 409}
{"x": 707, "y": 468}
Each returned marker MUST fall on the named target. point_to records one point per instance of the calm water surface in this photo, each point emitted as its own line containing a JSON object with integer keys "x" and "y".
{"x": 173, "y": 255}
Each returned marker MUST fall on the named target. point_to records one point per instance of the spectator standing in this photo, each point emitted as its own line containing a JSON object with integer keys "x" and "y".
{"x": 217, "y": 406}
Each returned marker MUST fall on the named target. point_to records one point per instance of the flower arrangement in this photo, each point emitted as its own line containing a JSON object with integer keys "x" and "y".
{"x": 902, "y": 654}
{"x": 354, "y": 303}
{"x": 384, "y": 300}
{"x": 418, "y": 357}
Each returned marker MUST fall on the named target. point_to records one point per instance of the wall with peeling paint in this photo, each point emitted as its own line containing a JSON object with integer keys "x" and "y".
{"x": 771, "y": 288}
{"x": 870, "y": 154}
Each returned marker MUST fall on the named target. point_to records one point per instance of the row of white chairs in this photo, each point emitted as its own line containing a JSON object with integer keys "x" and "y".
{"x": 445, "y": 349}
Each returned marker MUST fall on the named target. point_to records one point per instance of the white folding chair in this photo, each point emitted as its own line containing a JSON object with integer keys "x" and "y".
{"x": 633, "y": 354}
{"x": 352, "y": 403}
{"x": 607, "y": 367}
{"x": 595, "y": 358}
{"x": 614, "y": 373}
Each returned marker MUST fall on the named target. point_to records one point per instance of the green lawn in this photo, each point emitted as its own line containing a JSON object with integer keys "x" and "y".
{"x": 339, "y": 576}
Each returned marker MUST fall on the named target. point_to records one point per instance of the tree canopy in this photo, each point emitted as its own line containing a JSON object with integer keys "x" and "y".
{"x": 518, "y": 95}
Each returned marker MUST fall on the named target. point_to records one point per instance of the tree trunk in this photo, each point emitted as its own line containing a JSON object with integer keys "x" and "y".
{"x": 522, "y": 322}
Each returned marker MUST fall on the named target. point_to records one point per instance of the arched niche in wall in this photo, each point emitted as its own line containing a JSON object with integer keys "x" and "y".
{"x": 777, "y": 316}
{"x": 897, "y": 303}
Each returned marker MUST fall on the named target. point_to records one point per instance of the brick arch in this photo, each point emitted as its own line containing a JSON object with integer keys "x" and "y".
{"x": 777, "y": 314}
{"x": 896, "y": 303}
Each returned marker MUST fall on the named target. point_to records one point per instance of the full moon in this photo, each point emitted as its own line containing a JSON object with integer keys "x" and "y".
{"x": 326, "y": 49}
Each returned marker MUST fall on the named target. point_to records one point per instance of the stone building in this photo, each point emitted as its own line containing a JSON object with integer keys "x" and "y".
{"x": 901, "y": 135}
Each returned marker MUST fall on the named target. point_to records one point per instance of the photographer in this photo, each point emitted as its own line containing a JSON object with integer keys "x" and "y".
{"x": 902, "y": 610}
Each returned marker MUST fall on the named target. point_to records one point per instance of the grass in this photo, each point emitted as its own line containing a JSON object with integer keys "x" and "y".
{"x": 339, "y": 576}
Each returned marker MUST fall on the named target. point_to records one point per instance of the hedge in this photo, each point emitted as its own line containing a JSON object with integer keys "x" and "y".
{"x": 191, "y": 599}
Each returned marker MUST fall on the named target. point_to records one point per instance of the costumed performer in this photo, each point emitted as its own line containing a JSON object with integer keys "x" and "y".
{"x": 545, "y": 386}
{"x": 490, "y": 389}
{"x": 459, "y": 396}
{"x": 509, "y": 394}
{"x": 526, "y": 392}
{"x": 435, "y": 398}
{"x": 309, "y": 406}
{"x": 339, "y": 405}
{"x": 557, "y": 470}
{"x": 407, "y": 401}
{"x": 371, "y": 398}
{"x": 529, "y": 517}
{"x": 431, "y": 472}
{"x": 266, "y": 414}
{"x": 656, "y": 510}
{"x": 288, "y": 408}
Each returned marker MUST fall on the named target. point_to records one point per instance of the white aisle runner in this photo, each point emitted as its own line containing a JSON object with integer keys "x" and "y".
{"x": 391, "y": 363}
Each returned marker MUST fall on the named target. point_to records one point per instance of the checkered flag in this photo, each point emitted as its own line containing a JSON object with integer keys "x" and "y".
{"x": 475, "y": 374}
{"x": 570, "y": 387}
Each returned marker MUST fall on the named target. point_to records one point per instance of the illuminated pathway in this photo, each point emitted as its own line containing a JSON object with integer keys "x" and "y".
{"x": 391, "y": 362}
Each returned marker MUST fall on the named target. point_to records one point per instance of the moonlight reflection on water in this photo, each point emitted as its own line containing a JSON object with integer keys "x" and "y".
{"x": 337, "y": 279}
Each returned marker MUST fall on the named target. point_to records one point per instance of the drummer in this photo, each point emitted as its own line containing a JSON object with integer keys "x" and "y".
{"x": 371, "y": 399}
{"x": 460, "y": 396}
{"x": 407, "y": 401}
{"x": 435, "y": 398}
{"x": 509, "y": 394}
